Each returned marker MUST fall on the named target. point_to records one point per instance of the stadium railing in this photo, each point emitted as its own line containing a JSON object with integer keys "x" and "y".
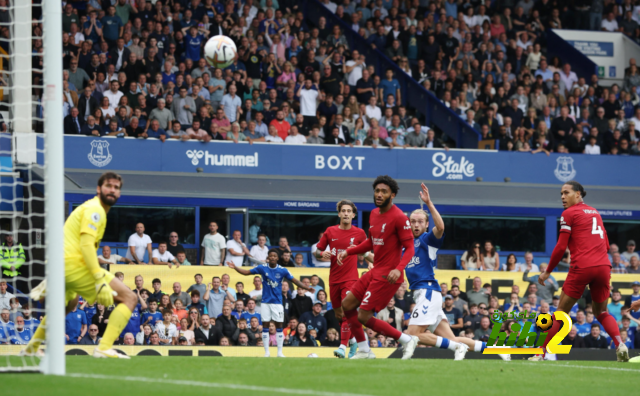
{"x": 580, "y": 63}
{"x": 413, "y": 94}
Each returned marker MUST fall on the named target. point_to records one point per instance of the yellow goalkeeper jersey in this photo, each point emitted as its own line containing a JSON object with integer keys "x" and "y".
{"x": 89, "y": 218}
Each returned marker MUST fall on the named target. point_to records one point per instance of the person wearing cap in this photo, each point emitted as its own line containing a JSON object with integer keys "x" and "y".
{"x": 454, "y": 316}
{"x": 314, "y": 320}
{"x": 631, "y": 246}
{"x": 633, "y": 299}
{"x": 183, "y": 341}
{"x": 11, "y": 257}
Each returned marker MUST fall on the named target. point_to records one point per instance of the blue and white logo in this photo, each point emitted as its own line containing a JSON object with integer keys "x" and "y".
{"x": 99, "y": 155}
{"x": 564, "y": 169}
{"x": 416, "y": 243}
{"x": 195, "y": 156}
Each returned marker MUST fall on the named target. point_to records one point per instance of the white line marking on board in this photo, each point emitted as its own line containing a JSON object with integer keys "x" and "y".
{"x": 213, "y": 385}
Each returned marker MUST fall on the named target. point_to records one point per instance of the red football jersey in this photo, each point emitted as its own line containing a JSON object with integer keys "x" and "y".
{"x": 387, "y": 231}
{"x": 588, "y": 242}
{"x": 339, "y": 240}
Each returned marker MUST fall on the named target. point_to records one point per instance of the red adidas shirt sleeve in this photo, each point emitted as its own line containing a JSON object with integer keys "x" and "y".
{"x": 566, "y": 221}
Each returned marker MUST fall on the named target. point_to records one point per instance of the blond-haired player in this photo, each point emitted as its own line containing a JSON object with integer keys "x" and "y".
{"x": 84, "y": 277}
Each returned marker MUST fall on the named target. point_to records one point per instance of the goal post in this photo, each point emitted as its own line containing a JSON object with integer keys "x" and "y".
{"x": 54, "y": 362}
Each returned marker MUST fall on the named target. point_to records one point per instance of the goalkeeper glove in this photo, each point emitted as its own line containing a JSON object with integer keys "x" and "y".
{"x": 104, "y": 292}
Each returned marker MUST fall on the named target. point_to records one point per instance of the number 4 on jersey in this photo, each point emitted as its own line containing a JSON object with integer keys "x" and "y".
{"x": 596, "y": 229}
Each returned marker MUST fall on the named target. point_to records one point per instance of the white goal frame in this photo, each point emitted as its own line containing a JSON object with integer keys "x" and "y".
{"x": 54, "y": 361}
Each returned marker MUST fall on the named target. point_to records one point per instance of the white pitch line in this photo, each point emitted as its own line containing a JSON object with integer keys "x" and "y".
{"x": 213, "y": 385}
{"x": 584, "y": 367}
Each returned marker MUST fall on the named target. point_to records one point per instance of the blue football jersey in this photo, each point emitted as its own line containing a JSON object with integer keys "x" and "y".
{"x": 21, "y": 337}
{"x": 32, "y": 323}
{"x": 420, "y": 270}
{"x": 272, "y": 279}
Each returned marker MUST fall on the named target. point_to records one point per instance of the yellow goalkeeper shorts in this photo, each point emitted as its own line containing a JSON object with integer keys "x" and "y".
{"x": 79, "y": 280}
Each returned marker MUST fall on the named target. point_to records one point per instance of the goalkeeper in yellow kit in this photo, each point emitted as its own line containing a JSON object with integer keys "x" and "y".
{"x": 83, "y": 231}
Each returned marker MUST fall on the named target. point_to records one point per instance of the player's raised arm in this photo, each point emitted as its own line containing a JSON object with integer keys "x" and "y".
{"x": 438, "y": 229}
{"x": 240, "y": 270}
{"x": 302, "y": 286}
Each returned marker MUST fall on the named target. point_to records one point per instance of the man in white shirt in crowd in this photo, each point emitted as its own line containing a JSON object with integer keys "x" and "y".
{"x": 592, "y": 148}
{"x": 213, "y": 247}
{"x": 354, "y": 68}
{"x": 260, "y": 251}
{"x": 256, "y": 294}
{"x": 308, "y": 95}
{"x": 273, "y": 135}
{"x": 138, "y": 243}
{"x": 161, "y": 256}
{"x": 107, "y": 258}
{"x": 5, "y": 296}
{"x": 294, "y": 137}
{"x": 114, "y": 94}
{"x": 236, "y": 249}
{"x": 322, "y": 262}
{"x": 372, "y": 110}
{"x": 528, "y": 264}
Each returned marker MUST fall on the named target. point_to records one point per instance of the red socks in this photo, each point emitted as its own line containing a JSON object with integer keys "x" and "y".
{"x": 552, "y": 332}
{"x": 355, "y": 325}
{"x": 382, "y": 327}
{"x": 345, "y": 331}
{"x": 610, "y": 326}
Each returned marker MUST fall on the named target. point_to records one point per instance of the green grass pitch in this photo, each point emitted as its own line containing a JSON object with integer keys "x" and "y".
{"x": 324, "y": 377}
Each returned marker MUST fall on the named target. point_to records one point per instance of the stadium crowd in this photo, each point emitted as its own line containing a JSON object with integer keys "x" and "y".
{"x": 218, "y": 313}
{"x": 135, "y": 68}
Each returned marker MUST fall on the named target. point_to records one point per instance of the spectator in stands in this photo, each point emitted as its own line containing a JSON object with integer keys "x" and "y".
{"x": 91, "y": 338}
{"x": 206, "y": 333}
{"x": 157, "y": 292}
{"x": 178, "y": 294}
{"x": 302, "y": 338}
{"x": 392, "y": 315}
{"x": 630, "y": 252}
{"x": 227, "y": 323}
{"x": 73, "y": 123}
{"x": 214, "y": 247}
{"x": 236, "y": 249}
{"x": 199, "y": 286}
{"x": 477, "y": 295}
{"x": 107, "y": 258}
{"x": 454, "y": 316}
{"x": 75, "y": 325}
{"x": 546, "y": 292}
{"x": 490, "y": 257}
{"x": 139, "y": 243}
{"x": 161, "y": 256}
{"x": 482, "y": 333}
{"x": 473, "y": 318}
{"x": 595, "y": 339}
{"x": 215, "y": 297}
{"x": 163, "y": 115}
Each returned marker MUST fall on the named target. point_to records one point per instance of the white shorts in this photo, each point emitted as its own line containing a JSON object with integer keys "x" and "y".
{"x": 272, "y": 313}
{"x": 428, "y": 310}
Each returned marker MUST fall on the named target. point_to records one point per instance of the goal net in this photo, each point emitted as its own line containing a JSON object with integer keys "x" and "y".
{"x": 31, "y": 183}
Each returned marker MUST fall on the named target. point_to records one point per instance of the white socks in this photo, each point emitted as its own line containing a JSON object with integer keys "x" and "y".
{"x": 445, "y": 343}
{"x": 280, "y": 340}
{"x": 404, "y": 338}
{"x": 364, "y": 346}
{"x": 265, "y": 341}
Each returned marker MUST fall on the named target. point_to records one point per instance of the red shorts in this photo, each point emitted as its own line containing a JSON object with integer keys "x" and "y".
{"x": 338, "y": 292}
{"x": 598, "y": 278}
{"x": 374, "y": 294}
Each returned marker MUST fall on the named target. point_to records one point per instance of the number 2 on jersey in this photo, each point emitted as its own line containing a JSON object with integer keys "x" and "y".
{"x": 366, "y": 297}
{"x": 596, "y": 229}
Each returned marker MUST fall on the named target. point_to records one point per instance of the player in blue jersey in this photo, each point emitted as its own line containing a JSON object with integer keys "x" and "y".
{"x": 272, "y": 310}
{"x": 428, "y": 313}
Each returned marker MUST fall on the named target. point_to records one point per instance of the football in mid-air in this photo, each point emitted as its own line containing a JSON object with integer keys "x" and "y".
{"x": 220, "y": 51}
{"x": 544, "y": 321}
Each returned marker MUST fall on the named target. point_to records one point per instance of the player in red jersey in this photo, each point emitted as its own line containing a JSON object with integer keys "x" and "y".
{"x": 389, "y": 232}
{"x": 582, "y": 230}
{"x": 342, "y": 276}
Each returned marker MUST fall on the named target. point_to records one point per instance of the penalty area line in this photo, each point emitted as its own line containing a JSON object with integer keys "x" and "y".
{"x": 583, "y": 367}
{"x": 213, "y": 385}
